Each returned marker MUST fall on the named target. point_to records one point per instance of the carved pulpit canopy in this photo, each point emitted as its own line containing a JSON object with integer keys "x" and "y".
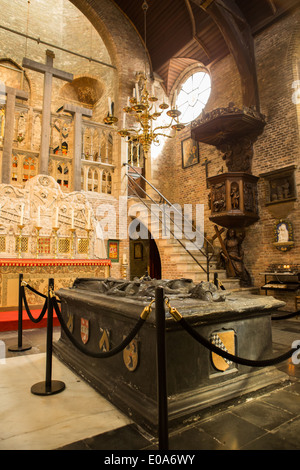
{"x": 232, "y": 131}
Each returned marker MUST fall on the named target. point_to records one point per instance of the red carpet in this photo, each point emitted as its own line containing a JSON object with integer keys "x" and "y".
{"x": 9, "y": 320}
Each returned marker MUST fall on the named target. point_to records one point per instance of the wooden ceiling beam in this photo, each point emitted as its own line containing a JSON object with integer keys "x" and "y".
{"x": 237, "y": 34}
{"x": 194, "y": 30}
{"x": 272, "y": 6}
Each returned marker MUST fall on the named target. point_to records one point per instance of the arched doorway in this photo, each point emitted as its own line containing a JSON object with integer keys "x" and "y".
{"x": 144, "y": 258}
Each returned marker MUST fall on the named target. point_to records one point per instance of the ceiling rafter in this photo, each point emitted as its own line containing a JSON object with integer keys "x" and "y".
{"x": 273, "y": 6}
{"x": 237, "y": 34}
{"x": 204, "y": 31}
{"x": 194, "y": 29}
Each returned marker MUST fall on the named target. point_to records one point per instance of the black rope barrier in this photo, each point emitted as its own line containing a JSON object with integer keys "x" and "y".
{"x": 34, "y": 290}
{"x": 162, "y": 393}
{"x": 238, "y": 360}
{"x": 20, "y": 345}
{"x": 31, "y": 317}
{"x": 285, "y": 317}
{"x": 49, "y": 386}
{"x": 103, "y": 354}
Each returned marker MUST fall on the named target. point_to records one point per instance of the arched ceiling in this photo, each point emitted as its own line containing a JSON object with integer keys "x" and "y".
{"x": 182, "y": 31}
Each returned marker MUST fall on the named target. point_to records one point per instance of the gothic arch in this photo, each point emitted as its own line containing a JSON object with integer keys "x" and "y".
{"x": 106, "y": 18}
{"x": 142, "y": 217}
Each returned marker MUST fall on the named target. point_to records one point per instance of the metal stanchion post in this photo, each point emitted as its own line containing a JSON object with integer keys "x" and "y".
{"x": 161, "y": 370}
{"x": 20, "y": 347}
{"x": 49, "y": 387}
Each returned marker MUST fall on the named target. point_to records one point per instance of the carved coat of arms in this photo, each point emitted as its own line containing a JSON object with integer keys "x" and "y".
{"x": 104, "y": 340}
{"x": 70, "y": 322}
{"x": 224, "y": 340}
{"x": 131, "y": 356}
{"x": 84, "y": 330}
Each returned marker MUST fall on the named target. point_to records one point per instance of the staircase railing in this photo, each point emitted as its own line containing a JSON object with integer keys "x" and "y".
{"x": 209, "y": 249}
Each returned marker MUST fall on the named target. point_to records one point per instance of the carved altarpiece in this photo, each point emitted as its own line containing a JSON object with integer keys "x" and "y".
{"x": 280, "y": 191}
{"x": 44, "y": 215}
{"x": 44, "y": 230}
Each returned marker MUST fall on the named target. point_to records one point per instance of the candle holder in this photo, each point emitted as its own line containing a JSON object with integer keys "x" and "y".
{"x": 20, "y": 226}
{"x": 38, "y": 228}
{"x": 72, "y": 230}
{"x": 110, "y": 120}
{"x": 55, "y": 230}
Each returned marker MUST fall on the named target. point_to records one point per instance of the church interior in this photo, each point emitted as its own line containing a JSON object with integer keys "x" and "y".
{"x": 143, "y": 145}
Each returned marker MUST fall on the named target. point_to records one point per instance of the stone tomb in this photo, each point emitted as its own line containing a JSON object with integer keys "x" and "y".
{"x": 101, "y": 312}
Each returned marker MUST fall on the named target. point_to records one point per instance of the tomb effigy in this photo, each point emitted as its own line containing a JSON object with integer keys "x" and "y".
{"x": 100, "y": 313}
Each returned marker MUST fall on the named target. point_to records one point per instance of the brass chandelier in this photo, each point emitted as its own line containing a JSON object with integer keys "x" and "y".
{"x": 142, "y": 107}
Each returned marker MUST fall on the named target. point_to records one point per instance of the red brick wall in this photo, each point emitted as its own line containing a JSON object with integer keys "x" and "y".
{"x": 276, "y": 57}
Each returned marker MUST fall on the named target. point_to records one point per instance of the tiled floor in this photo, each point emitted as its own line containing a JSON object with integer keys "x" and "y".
{"x": 269, "y": 421}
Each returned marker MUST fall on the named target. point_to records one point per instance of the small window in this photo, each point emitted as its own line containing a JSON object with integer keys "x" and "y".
{"x": 193, "y": 96}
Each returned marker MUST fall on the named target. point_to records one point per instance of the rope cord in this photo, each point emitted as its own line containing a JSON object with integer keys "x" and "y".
{"x": 24, "y": 284}
{"x": 43, "y": 312}
{"x": 285, "y": 317}
{"x": 231, "y": 357}
{"x": 238, "y": 360}
{"x": 103, "y": 354}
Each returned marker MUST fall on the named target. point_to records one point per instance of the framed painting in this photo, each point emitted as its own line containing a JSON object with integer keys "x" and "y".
{"x": 189, "y": 152}
{"x": 138, "y": 250}
{"x": 113, "y": 250}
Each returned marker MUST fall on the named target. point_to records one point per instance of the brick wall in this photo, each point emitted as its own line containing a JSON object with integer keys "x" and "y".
{"x": 276, "y": 56}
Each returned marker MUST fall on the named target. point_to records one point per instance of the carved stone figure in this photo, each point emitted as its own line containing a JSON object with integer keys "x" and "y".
{"x": 235, "y": 196}
{"x": 218, "y": 197}
{"x": 238, "y": 154}
{"x": 280, "y": 189}
{"x": 233, "y": 245}
{"x": 145, "y": 288}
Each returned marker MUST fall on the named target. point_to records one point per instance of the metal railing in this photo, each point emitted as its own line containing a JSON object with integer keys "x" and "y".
{"x": 208, "y": 252}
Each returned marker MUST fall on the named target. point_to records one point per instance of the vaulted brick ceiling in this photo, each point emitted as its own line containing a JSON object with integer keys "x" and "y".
{"x": 180, "y": 32}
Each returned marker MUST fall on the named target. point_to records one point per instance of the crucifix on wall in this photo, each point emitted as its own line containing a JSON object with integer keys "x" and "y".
{"x": 49, "y": 72}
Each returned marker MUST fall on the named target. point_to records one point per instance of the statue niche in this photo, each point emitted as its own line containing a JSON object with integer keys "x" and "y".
{"x": 85, "y": 90}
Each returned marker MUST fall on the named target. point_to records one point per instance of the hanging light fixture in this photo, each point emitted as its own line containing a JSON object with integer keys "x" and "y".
{"x": 143, "y": 108}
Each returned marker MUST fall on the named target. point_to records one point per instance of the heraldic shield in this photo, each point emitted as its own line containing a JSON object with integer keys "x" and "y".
{"x": 224, "y": 340}
{"x": 84, "y": 330}
{"x": 131, "y": 356}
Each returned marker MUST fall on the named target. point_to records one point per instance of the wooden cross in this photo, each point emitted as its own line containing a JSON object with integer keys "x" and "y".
{"x": 231, "y": 270}
{"x": 49, "y": 72}
{"x": 78, "y": 112}
{"x": 206, "y": 163}
{"x": 11, "y": 95}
